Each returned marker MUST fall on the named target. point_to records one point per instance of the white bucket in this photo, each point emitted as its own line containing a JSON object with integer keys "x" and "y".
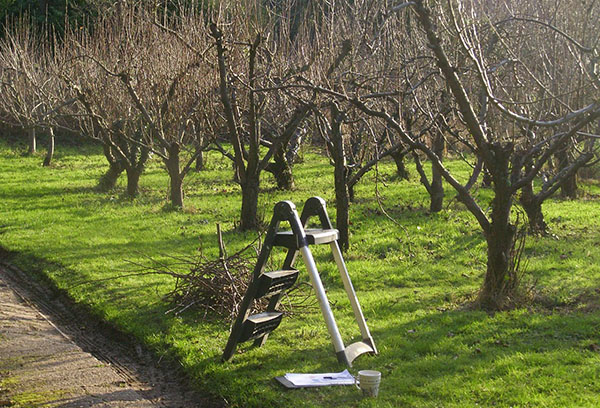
{"x": 368, "y": 381}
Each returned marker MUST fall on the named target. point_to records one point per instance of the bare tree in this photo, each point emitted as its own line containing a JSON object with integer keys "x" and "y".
{"x": 356, "y": 60}
{"x": 474, "y": 80}
{"x": 104, "y": 112}
{"x": 142, "y": 85}
{"x": 251, "y": 93}
{"x": 30, "y": 92}
{"x": 561, "y": 81}
{"x": 501, "y": 156}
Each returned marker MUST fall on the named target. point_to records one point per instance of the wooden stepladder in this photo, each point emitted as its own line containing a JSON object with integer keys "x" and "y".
{"x": 272, "y": 285}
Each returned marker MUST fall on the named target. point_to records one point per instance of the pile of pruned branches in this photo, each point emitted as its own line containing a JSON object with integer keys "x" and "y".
{"x": 217, "y": 286}
{"x": 214, "y": 286}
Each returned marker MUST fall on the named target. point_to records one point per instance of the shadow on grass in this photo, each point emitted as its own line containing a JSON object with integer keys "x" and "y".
{"x": 446, "y": 346}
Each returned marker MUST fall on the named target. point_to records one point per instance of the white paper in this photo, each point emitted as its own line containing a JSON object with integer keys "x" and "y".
{"x": 323, "y": 379}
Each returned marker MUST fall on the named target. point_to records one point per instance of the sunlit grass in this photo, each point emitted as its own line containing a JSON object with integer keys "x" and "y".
{"x": 413, "y": 276}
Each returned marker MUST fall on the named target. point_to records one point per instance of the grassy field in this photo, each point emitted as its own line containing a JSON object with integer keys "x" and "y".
{"x": 414, "y": 281}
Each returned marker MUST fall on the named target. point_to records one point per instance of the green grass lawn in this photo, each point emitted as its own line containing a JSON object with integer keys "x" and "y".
{"x": 414, "y": 282}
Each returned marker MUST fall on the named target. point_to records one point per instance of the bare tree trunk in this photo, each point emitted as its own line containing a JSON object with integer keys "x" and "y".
{"x": 342, "y": 194}
{"x": 569, "y": 188}
{"x": 500, "y": 280}
{"x": 437, "y": 188}
{"x": 176, "y": 191}
{"x": 249, "y": 213}
{"x": 115, "y": 168}
{"x": 498, "y": 285}
{"x": 32, "y": 141}
{"x": 50, "y": 152}
{"x": 200, "y": 162}
{"x": 108, "y": 181}
{"x": 286, "y": 150}
{"x": 282, "y": 171}
{"x": 135, "y": 164}
{"x": 133, "y": 181}
{"x": 533, "y": 209}
{"x": 342, "y": 202}
{"x": 175, "y": 177}
{"x": 401, "y": 169}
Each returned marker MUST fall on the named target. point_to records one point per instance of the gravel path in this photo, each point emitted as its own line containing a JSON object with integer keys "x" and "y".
{"x": 47, "y": 359}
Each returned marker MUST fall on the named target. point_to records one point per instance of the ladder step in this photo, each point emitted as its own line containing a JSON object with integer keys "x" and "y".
{"x": 258, "y": 325}
{"x": 273, "y": 283}
{"x": 313, "y": 237}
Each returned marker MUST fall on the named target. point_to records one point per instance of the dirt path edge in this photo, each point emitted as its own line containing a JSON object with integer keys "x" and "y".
{"x": 158, "y": 380}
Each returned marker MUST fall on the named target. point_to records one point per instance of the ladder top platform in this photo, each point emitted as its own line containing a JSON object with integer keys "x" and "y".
{"x": 313, "y": 237}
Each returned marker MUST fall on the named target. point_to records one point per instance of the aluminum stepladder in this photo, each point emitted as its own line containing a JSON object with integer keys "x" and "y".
{"x": 273, "y": 284}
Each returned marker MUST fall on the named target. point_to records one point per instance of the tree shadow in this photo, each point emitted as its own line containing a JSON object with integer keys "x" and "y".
{"x": 444, "y": 350}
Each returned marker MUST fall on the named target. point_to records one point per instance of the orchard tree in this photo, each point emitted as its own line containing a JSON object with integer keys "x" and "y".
{"x": 505, "y": 156}
{"x": 104, "y": 110}
{"x": 475, "y": 78}
{"x": 20, "y": 56}
{"x": 253, "y": 61}
{"x": 143, "y": 86}
{"x": 33, "y": 94}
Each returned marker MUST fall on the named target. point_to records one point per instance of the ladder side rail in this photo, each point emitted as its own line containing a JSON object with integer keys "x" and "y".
{"x": 246, "y": 303}
{"x": 316, "y": 206}
{"x": 334, "y": 332}
{"x": 358, "y": 314}
{"x": 289, "y": 214}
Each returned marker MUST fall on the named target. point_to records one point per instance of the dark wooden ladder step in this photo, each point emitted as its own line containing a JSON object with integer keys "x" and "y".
{"x": 256, "y": 326}
{"x": 313, "y": 237}
{"x": 273, "y": 283}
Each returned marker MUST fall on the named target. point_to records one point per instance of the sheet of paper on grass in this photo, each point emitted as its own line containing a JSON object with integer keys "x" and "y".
{"x": 320, "y": 380}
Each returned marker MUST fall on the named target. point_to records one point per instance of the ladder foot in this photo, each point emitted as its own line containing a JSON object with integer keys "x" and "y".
{"x": 350, "y": 353}
{"x": 343, "y": 359}
{"x": 369, "y": 341}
